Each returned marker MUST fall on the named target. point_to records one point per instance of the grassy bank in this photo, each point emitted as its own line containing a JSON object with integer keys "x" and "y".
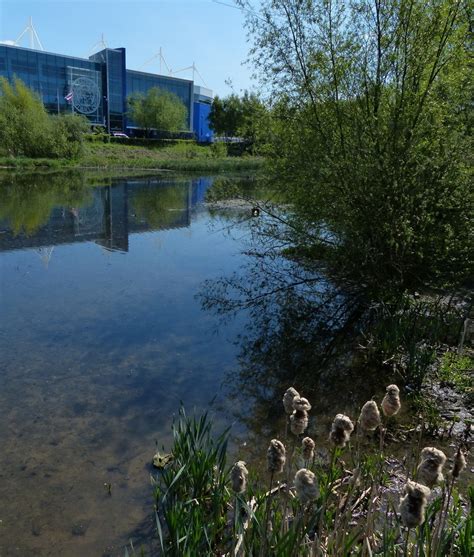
{"x": 180, "y": 157}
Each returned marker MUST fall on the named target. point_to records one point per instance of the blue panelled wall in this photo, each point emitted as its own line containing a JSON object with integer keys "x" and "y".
{"x": 98, "y": 87}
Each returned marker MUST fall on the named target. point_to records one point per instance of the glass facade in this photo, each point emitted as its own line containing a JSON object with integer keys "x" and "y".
{"x": 97, "y": 87}
{"x": 114, "y": 85}
{"x": 53, "y": 77}
{"x": 141, "y": 82}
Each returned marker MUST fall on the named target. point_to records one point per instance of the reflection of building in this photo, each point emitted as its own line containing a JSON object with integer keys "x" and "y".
{"x": 111, "y": 216}
{"x": 98, "y": 87}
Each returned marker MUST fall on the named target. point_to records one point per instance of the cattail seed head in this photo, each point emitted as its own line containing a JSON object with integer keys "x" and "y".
{"x": 341, "y": 430}
{"x": 276, "y": 456}
{"x": 288, "y": 397}
{"x": 306, "y": 486}
{"x": 301, "y": 404}
{"x": 299, "y": 422}
{"x": 391, "y": 401}
{"x": 429, "y": 471}
{"x": 308, "y": 448}
{"x": 238, "y": 475}
{"x": 413, "y": 504}
{"x": 369, "y": 418}
{"x": 459, "y": 463}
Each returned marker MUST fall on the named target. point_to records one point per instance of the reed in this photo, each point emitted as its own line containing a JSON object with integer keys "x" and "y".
{"x": 206, "y": 507}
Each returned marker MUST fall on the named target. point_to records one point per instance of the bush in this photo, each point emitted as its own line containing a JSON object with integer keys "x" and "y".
{"x": 219, "y": 150}
{"x": 26, "y": 129}
{"x": 24, "y": 122}
{"x": 67, "y": 135}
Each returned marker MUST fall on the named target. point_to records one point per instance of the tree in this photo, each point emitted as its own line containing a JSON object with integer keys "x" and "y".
{"x": 238, "y": 116}
{"x": 158, "y": 109}
{"x": 371, "y": 135}
{"x": 27, "y": 129}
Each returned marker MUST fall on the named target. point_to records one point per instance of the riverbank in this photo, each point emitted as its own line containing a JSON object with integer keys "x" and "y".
{"x": 188, "y": 157}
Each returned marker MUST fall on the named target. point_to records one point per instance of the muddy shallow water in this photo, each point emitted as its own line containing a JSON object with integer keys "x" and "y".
{"x": 101, "y": 338}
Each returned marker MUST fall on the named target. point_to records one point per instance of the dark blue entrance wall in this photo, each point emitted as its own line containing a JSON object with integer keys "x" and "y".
{"x": 201, "y": 128}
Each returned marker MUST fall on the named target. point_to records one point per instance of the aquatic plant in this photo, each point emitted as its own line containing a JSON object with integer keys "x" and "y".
{"x": 341, "y": 430}
{"x": 288, "y": 397}
{"x": 239, "y": 475}
{"x": 391, "y": 401}
{"x": 328, "y": 508}
{"x": 276, "y": 456}
{"x": 369, "y": 418}
{"x": 413, "y": 504}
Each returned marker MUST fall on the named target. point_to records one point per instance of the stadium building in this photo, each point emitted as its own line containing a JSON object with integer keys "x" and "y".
{"x": 98, "y": 87}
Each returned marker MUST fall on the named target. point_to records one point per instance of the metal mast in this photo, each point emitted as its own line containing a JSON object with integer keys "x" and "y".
{"x": 99, "y": 45}
{"x": 159, "y": 55}
{"x": 35, "y": 42}
{"x": 194, "y": 70}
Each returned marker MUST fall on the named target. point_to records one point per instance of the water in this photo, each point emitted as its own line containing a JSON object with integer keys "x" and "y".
{"x": 101, "y": 339}
{"x": 110, "y": 293}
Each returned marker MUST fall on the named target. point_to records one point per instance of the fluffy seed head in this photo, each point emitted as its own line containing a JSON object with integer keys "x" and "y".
{"x": 341, "y": 430}
{"x": 429, "y": 471}
{"x": 459, "y": 463}
{"x": 308, "y": 448}
{"x": 306, "y": 485}
{"x": 276, "y": 456}
{"x": 288, "y": 397}
{"x": 391, "y": 401}
{"x": 299, "y": 422}
{"x": 369, "y": 418}
{"x": 238, "y": 475}
{"x": 413, "y": 504}
{"x": 301, "y": 404}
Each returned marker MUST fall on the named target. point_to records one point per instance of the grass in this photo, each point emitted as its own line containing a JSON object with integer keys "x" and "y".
{"x": 457, "y": 369}
{"x": 179, "y": 157}
{"x": 355, "y": 511}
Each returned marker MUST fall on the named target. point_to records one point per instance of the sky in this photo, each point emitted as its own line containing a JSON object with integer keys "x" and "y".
{"x": 202, "y": 31}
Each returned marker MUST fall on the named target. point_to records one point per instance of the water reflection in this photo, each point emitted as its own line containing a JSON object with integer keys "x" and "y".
{"x": 98, "y": 348}
{"x": 302, "y": 330}
{"x": 48, "y": 210}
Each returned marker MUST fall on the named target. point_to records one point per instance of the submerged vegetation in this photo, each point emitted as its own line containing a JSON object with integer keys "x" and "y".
{"x": 343, "y": 496}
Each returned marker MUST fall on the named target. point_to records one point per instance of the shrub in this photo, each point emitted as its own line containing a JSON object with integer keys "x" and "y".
{"x": 26, "y": 129}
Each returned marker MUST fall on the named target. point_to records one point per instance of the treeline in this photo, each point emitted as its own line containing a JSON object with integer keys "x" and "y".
{"x": 26, "y": 129}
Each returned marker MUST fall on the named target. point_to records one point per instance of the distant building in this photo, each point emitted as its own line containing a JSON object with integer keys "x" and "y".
{"x": 98, "y": 86}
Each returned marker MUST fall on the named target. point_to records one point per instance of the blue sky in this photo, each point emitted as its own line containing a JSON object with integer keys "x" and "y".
{"x": 210, "y": 34}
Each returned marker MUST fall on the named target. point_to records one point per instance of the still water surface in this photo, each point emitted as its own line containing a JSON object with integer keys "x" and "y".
{"x": 101, "y": 338}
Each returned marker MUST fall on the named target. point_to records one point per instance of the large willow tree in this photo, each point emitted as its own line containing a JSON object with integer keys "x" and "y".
{"x": 371, "y": 134}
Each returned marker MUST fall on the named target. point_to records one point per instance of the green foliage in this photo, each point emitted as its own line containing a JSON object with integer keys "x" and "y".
{"x": 158, "y": 109}
{"x": 67, "y": 135}
{"x": 458, "y": 369}
{"x": 182, "y": 156}
{"x": 243, "y": 116}
{"x": 197, "y": 513}
{"x": 26, "y": 129}
{"x": 370, "y": 135}
{"x": 191, "y": 495}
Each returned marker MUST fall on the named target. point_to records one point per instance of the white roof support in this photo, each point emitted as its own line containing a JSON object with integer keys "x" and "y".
{"x": 35, "y": 42}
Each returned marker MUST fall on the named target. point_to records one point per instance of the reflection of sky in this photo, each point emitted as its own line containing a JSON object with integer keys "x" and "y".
{"x": 97, "y": 350}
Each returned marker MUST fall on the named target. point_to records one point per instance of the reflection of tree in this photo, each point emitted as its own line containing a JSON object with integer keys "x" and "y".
{"x": 158, "y": 205}
{"x": 301, "y": 331}
{"x": 26, "y": 200}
